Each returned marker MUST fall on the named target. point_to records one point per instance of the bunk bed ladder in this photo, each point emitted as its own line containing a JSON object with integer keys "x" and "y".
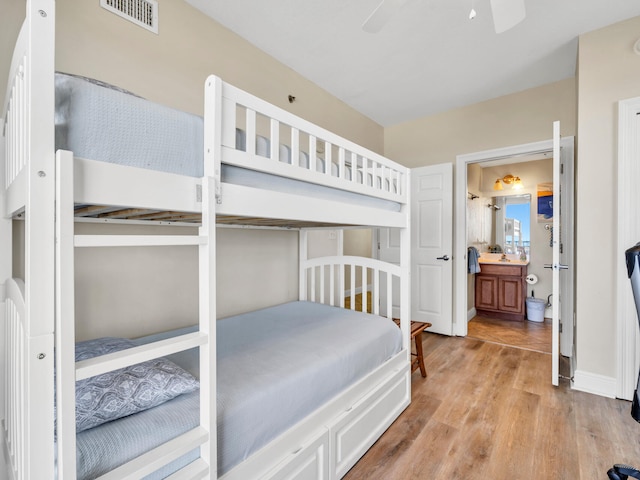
{"x": 69, "y": 371}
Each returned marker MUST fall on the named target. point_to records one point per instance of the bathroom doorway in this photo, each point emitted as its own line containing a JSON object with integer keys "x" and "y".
{"x": 508, "y": 225}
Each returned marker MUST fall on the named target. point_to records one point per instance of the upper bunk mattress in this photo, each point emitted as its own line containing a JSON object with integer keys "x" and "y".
{"x": 98, "y": 121}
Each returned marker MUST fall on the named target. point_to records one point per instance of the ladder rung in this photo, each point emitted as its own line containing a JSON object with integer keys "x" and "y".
{"x": 131, "y": 356}
{"x": 158, "y": 457}
{"x": 138, "y": 240}
{"x": 196, "y": 470}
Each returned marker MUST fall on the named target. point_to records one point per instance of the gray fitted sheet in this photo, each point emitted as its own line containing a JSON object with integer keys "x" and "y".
{"x": 97, "y": 121}
{"x": 277, "y": 365}
{"x": 274, "y": 367}
{"x": 103, "y": 448}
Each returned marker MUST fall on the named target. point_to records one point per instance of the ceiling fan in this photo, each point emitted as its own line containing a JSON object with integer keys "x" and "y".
{"x": 506, "y": 14}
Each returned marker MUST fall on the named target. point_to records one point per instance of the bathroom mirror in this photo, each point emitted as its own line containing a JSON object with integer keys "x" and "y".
{"x": 512, "y": 222}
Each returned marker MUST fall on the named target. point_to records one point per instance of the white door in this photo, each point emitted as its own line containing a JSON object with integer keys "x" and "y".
{"x": 566, "y": 239}
{"x": 556, "y": 265}
{"x": 432, "y": 246}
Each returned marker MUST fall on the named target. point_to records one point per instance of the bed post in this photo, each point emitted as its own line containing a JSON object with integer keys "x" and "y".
{"x": 5, "y": 273}
{"x": 303, "y": 256}
{"x": 213, "y": 133}
{"x": 65, "y": 318}
{"x": 405, "y": 282}
{"x": 34, "y": 65}
{"x": 211, "y": 194}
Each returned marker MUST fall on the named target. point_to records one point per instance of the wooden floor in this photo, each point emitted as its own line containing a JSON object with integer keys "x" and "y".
{"x": 489, "y": 412}
{"x": 528, "y": 335}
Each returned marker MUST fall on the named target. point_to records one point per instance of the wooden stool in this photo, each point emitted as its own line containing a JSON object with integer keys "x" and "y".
{"x": 416, "y": 334}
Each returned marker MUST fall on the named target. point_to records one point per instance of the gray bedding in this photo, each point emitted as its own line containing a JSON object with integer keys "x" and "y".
{"x": 97, "y": 121}
{"x": 274, "y": 367}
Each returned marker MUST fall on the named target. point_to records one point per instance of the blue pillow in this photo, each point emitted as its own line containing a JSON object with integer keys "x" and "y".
{"x": 128, "y": 390}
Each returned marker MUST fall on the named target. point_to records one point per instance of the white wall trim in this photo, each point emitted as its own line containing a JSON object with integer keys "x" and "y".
{"x": 471, "y": 313}
{"x": 628, "y": 235}
{"x": 594, "y": 383}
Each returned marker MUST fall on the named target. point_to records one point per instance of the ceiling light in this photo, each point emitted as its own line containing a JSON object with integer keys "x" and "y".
{"x": 472, "y": 13}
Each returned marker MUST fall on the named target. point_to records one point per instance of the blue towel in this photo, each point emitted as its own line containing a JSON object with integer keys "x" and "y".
{"x": 472, "y": 259}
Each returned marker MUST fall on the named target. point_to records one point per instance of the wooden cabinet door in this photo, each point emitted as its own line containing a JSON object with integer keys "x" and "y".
{"x": 510, "y": 296}
{"x": 486, "y": 292}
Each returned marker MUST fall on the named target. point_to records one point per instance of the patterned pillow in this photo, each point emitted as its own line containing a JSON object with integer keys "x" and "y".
{"x": 128, "y": 390}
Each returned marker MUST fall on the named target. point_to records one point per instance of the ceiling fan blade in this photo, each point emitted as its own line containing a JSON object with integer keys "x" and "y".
{"x": 381, "y": 15}
{"x": 507, "y": 14}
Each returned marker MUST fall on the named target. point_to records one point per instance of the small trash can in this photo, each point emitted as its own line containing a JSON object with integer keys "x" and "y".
{"x": 535, "y": 309}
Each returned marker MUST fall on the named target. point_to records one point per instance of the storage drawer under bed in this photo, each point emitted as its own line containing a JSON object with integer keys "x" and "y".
{"x": 353, "y": 433}
{"x": 310, "y": 462}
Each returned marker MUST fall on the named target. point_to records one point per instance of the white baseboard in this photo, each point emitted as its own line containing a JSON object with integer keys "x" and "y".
{"x": 594, "y": 383}
{"x": 471, "y": 313}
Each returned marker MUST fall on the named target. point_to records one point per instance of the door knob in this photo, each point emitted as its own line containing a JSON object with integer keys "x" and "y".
{"x": 557, "y": 266}
{"x": 444, "y": 257}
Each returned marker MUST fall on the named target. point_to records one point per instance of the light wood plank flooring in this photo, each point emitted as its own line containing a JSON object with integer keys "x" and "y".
{"x": 528, "y": 335}
{"x": 489, "y": 412}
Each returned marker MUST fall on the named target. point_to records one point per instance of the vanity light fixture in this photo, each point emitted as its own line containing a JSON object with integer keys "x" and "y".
{"x": 515, "y": 182}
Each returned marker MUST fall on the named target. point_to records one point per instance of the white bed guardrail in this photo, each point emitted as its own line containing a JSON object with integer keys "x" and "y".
{"x": 329, "y": 159}
{"x": 324, "y": 281}
{"x": 16, "y": 114}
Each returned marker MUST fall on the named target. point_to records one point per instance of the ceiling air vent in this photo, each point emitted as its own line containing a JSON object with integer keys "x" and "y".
{"x": 141, "y": 12}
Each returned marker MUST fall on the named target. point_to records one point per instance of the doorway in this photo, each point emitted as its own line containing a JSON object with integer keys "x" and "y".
{"x": 505, "y": 218}
{"x": 515, "y": 155}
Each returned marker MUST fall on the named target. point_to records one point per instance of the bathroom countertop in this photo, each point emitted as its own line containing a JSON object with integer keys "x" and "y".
{"x": 495, "y": 259}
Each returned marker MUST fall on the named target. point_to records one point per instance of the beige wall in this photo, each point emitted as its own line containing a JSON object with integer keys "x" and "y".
{"x": 510, "y": 120}
{"x": 256, "y": 267}
{"x": 609, "y": 71}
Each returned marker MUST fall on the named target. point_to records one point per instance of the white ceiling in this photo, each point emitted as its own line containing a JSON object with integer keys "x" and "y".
{"x": 428, "y": 58}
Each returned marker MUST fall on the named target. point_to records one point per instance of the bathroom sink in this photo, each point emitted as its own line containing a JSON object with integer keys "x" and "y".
{"x": 496, "y": 258}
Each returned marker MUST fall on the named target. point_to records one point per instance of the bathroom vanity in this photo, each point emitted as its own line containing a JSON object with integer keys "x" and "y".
{"x": 501, "y": 288}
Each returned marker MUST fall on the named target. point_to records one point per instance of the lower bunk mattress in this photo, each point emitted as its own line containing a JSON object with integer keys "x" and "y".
{"x": 274, "y": 367}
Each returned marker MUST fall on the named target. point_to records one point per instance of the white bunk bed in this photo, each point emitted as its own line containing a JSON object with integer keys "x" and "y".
{"x": 51, "y": 190}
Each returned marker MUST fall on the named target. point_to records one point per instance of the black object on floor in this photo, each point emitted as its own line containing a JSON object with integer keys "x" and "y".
{"x": 633, "y": 270}
{"x": 622, "y": 472}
